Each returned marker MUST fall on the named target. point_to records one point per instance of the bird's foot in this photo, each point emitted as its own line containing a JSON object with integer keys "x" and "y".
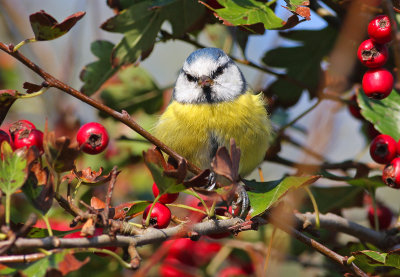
{"x": 241, "y": 206}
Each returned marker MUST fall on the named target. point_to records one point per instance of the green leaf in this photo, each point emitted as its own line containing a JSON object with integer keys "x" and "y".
{"x": 165, "y": 184}
{"x": 141, "y": 22}
{"x": 337, "y": 197}
{"x": 136, "y": 90}
{"x": 248, "y": 12}
{"x": 12, "y": 169}
{"x": 368, "y": 183}
{"x": 383, "y": 114}
{"x": 139, "y": 206}
{"x": 263, "y": 195}
{"x": 35, "y": 232}
{"x": 301, "y": 63}
{"x": 96, "y": 73}
{"x": 39, "y": 268}
{"x": 375, "y": 258}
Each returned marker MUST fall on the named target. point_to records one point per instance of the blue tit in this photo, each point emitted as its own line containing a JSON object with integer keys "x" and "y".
{"x": 211, "y": 104}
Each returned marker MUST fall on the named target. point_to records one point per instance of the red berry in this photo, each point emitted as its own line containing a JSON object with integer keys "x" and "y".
{"x": 19, "y": 126}
{"x": 173, "y": 268}
{"x": 380, "y": 29}
{"x": 4, "y": 136}
{"x": 166, "y": 198}
{"x": 231, "y": 271}
{"x": 391, "y": 174}
{"x": 92, "y": 138}
{"x": 160, "y": 215}
{"x": 371, "y": 54}
{"x": 377, "y": 83}
{"x": 182, "y": 249}
{"x": 384, "y": 216}
{"x": 383, "y": 149}
{"x": 28, "y": 138}
{"x": 354, "y": 108}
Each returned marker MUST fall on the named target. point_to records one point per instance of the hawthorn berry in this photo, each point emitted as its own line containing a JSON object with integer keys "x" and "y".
{"x": 166, "y": 198}
{"x": 380, "y": 29}
{"x": 232, "y": 271}
{"x": 377, "y": 83}
{"x": 391, "y": 174}
{"x": 19, "y": 126}
{"x": 383, "y": 149}
{"x": 4, "y": 136}
{"x": 160, "y": 215}
{"x": 384, "y": 216}
{"x": 92, "y": 138}
{"x": 28, "y": 138}
{"x": 173, "y": 268}
{"x": 371, "y": 54}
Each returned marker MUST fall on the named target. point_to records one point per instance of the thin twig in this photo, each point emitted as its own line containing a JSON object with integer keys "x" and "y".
{"x": 123, "y": 116}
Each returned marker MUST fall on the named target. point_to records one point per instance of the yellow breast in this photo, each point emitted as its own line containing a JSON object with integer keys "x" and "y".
{"x": 195, "y": 130}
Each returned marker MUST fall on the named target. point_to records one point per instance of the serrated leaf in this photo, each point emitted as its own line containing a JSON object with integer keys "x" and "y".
{"x": 137, "y": 207}
{"x": 248, "y": 12}
{"x": 375, "y": 258}
{"x": 301, "y": 63}
{"x": 383, "y": 114}
{"x": 13, "y": 171}
{"x": 45, "y": 27}
{"x": 263, "y": 195}
{"x": 299, "y": 7}
{"x": 96, "y": 73}
{"x": 141, "y": 22}
{"x": 136, "y": 90}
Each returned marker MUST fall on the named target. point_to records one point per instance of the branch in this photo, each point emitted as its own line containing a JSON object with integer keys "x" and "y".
{"x": 149, "y": 236}
{"x": 337, "y": 223}
{"x": 124, "y": 117}
{"x": 318, "y": 246}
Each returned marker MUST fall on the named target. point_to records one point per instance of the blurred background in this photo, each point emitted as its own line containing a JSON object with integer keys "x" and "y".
{"x": 336, "y": 137}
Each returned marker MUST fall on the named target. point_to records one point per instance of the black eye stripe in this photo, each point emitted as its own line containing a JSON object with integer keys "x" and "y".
{"x": 219, "y": 71}
{"x": 190, "y": 78}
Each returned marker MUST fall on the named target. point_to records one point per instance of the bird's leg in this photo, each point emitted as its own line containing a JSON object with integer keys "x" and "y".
{"x": 242, "y": 201}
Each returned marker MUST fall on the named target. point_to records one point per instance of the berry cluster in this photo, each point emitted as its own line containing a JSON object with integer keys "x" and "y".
{"x": 377, "y": 82}
{"x": 184, "y": 256}
{"x": 385, "y": 150}
{"x": 160, "y": 216}
{"x": 22, "y": 133}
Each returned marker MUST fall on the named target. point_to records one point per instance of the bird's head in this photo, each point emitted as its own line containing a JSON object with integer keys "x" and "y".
{"x": 209, "y": 76}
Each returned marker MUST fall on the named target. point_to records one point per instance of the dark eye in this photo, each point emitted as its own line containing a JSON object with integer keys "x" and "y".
{"x": 218, "y": 72}
{"x": 190, "y": 78}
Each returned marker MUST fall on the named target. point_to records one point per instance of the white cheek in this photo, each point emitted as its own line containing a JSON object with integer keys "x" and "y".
{"x": 230, "y": 84}
{"x": 186, "y": 91}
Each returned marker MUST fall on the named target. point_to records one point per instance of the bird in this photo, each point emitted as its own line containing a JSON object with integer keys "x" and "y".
{"x": 211, "y": 104}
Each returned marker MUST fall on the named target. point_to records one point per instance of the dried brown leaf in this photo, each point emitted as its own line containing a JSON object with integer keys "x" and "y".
{"x": 7, "y": 98}
{"x": 96, "y": 203}
{"x": 70, "y": 264}
{"x": 31, "y": 88}
{"x": 200, "y": 180}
